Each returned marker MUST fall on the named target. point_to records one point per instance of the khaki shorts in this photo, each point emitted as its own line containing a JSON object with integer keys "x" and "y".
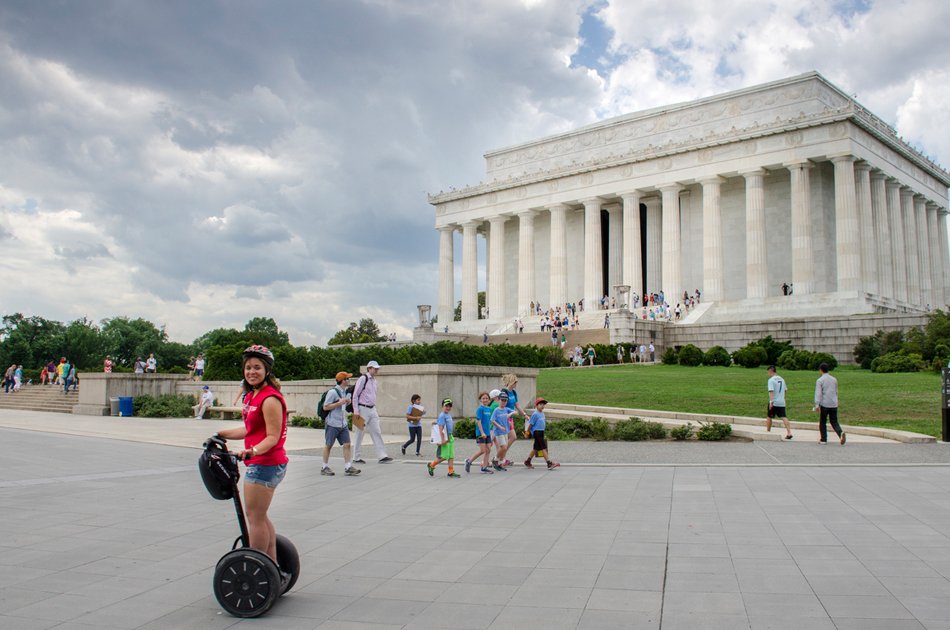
{"x": 500, "y": 440}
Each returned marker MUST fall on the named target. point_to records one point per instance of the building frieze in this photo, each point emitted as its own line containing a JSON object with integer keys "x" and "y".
{"x": 693, "y": 127}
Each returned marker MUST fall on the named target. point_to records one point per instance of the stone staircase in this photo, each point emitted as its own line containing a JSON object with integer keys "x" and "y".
{"x": 40, "y": 398}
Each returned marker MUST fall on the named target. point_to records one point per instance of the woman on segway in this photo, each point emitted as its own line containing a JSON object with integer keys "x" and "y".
{"x": 264, "y": 433}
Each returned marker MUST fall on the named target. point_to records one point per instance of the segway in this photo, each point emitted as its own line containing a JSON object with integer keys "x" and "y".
{"x": 246, "y": 581}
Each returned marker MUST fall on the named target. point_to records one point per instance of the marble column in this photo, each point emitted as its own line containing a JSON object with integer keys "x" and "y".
{"x": 943, "y": 254}
{"x": 712, "y": 240}
{"x": 883, "y": 234}
{"x": 847, "y": 227}
{"x": 632, "y": 254}
{"x": 496, "y": 269}
{"x": 936, "y": 272}
{"x": 862, "y": 188}
{"x": 896, "y": 225}
{"x": 654, "y": 245}
{"x": 615, "y": 243}
{"x": 923, "y": 251}
{"x": 803, "y": 248}
{"x": 593, "y": 260}
{"x": 526, "y": 290}
{"x": 672, "y": 243}
{"x": 910, "y": 245}
{"x": 446, "y": 311}
{"x": 558, "y": 290}
{"x": 756, "y": 262}
{"x": 470, "y": 271}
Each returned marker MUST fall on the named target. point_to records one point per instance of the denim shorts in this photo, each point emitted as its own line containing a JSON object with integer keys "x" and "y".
{"x": 268, "y": 476}
{"x": 337, "y": 434}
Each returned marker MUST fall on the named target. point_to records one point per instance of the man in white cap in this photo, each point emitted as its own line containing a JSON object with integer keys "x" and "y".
{"x": 364, "y": 406}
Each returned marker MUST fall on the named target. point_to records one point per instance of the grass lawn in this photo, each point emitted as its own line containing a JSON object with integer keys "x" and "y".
{"x": 910, "y": 402}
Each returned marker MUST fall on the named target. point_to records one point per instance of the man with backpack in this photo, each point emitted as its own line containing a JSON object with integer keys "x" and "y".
{"x": 332, "y": 408}
{"x": 365, "y": 414}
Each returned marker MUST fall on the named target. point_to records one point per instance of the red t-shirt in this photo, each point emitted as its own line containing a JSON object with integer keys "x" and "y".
{"x": 257, "y": 428}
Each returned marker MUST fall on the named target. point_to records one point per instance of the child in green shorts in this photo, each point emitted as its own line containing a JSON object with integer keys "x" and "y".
{"x": 446, "y": 449}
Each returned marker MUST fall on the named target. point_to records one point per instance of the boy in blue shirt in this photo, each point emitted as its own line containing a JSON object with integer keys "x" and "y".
{"x": 500, "y": 428}
{"x": 446, "y": 449}
{"x": 536, "y": 426}
{"x": 482, "y": 434}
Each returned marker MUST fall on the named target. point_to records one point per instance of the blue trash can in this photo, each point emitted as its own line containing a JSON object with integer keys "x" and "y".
{"x": 125, "y": 406}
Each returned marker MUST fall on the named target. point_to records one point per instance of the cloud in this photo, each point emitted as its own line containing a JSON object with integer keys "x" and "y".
{"x": 200, "y": 164}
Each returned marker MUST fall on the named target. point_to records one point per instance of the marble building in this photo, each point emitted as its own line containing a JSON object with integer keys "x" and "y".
{"x": 791, "y": 182}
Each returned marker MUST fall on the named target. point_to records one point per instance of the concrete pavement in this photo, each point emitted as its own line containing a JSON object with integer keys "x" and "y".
{"x": 99, "y": 532}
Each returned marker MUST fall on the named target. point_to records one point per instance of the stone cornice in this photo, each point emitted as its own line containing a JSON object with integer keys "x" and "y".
{"x": 835, "y": 106}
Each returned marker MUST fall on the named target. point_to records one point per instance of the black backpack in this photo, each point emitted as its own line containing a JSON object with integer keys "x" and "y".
{"x": 349, "y": 392}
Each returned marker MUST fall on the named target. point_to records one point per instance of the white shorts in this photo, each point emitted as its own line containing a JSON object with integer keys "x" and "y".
{"x": 500, "y": 440}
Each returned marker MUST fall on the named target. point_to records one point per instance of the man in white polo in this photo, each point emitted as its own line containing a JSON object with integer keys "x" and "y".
{"x": 364, "y": 405}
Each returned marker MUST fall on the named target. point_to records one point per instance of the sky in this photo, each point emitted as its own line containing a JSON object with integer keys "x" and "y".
{"x": 199, "y": 163}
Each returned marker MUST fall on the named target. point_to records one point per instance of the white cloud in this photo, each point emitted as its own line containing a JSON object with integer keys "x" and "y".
{"x": 202, "y": 164}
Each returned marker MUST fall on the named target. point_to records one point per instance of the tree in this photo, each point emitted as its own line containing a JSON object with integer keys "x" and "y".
{"x": 29, "y": 341}
{"x": 264, "y": 330}
{"x": 125, "y": 339}
{"x": 481, "y": 304}
{"x": 365, "y": 332}
{"x": 81, "y": 344}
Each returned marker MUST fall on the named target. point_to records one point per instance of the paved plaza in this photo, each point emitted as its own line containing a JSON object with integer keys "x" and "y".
{"x": 98, "y": 532}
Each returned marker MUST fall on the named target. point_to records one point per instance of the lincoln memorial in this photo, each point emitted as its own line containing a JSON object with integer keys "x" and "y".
{"x": 790, "y": 186}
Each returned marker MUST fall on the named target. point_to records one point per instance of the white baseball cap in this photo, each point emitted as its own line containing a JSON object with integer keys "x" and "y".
{"x": 372, "y": 364}
{"x": 494, "y": 393}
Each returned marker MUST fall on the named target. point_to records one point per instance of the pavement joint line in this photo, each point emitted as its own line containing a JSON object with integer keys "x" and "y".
{"x": 759, "y": 446}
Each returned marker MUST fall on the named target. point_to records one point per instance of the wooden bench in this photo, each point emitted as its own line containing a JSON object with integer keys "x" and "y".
{"x": 230, "y": 413}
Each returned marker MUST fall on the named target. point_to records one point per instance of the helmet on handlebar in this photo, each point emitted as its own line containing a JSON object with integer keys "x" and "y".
{"x": 218, "y": 469}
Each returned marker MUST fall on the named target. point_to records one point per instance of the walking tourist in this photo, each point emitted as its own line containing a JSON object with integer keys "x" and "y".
{"x": 204, "y": 402}
{"x": 591, "y": 355}
{"x": 652, "y": 349}
{"x": 139, "y": 366}
{"x": 17, "y": 378}
{"x": 364, "y": 407}
{"x": 620, "y": 354}
{"x": 510, "y": 382}
{"x": 777, "y": 389}
{"x": 482, "y": 434}
{"x": 335, "y": 425}
{"x": 51, "y": 372}
{"x": 66, "y": 370}
{"x": 44, "y": 375}
{"x": 264, "y": 433}
{"x": 826, "y": 404}
{"x": 536, "y": 431}
{"x": 414, "y": 413}
{"x": 445, "y": 452}
{"x": 500, "y": 429}
{"x": 107, "y": 365}
{"x": 151, "y": 364}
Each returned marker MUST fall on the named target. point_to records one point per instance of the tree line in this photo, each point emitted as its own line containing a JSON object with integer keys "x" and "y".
{"x": 33, "y": 341}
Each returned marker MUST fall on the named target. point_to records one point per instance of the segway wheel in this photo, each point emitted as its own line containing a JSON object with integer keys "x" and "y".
{"x": 289, "y": 561}
{"x": 246, "y": 582}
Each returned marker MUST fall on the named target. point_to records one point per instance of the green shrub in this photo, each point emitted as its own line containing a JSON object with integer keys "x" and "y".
{"x": 817, "y": 358}
{"x": 714, "y": 431}
{"x": 579, "y": 429}
{"x": 310, "y": 422}
{"x": 897, "y": 362}
{"x": 682, "y": 432}
{"x": 690, "y": 355}
{"x": 164, "y": 406}
{"x": 751, "y": 356}
{"x": 773, "y": 349}
{"x": 464, "y": 429}
{"x": 669, "y": 356}
{"x": 635, "y": 430}
{"x": 717, "y": 355}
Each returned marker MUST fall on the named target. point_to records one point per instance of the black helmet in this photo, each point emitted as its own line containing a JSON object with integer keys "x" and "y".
{"x": 218, "y": 468}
